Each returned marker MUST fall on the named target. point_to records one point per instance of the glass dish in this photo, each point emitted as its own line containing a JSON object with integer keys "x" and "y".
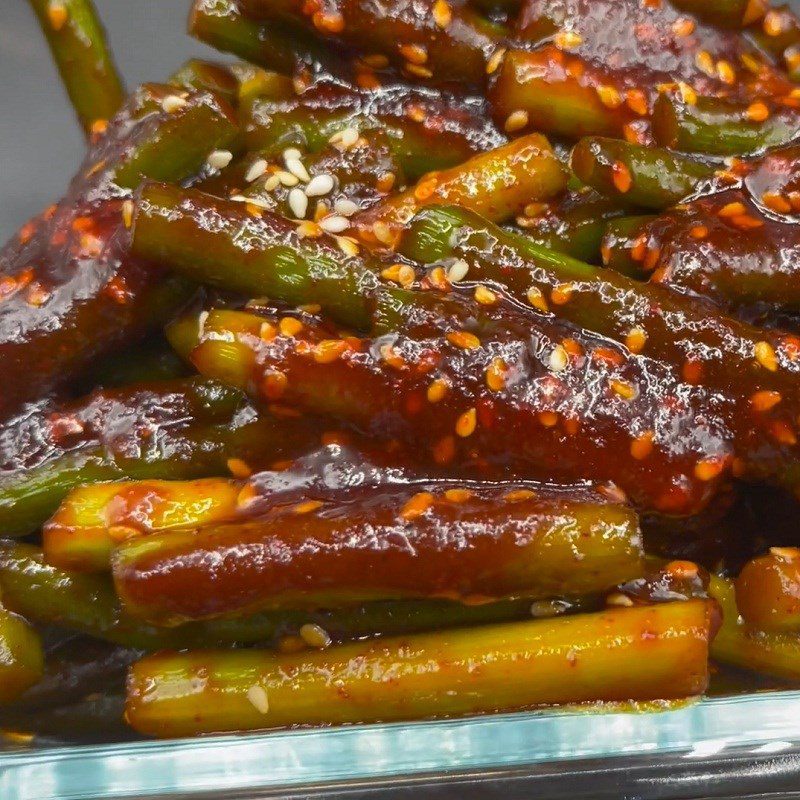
{"x": 717, "y": 747}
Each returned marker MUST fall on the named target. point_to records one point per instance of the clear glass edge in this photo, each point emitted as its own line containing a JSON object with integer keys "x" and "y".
{"x": 760, "y": 723}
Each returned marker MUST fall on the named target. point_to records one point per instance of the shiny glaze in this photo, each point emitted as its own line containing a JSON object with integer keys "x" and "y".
{"x": 768, "y": 590}
{"x": 344, "y": 532}
{"x": 745, "y": 261}
{"x": 601, "y": 65}
{"x": 746, "y": 376}
{"x": 427, "y": 128}
{"x": 430, "y": 41}
{"x": 537, "y": 423}
{"x": 498, "y": 185}
{"x": 583, "y": 658}
{"x": 174, "y": 429}
{"x": 69, "y": 289}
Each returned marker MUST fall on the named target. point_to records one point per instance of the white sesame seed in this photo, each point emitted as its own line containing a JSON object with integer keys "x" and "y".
{"x": 219, "y": 159}
{"x": 346, "y": 207}
{"x": 347, "y": 245}
{"x": 257, "y": 201}
{"x": 296, "y": 167}
{"x": 458, "y": 271}
{"x": 257, "y": 695}
{"x": 257, "y": 169}
{"x": 320, "y": 185}
{"x": 334, "y": 224}
{"x": 298, "y": 203}
{"x": 172, "y": 103}
{"x": 315, "y": 636}
{"x": 291, "y": 153}
{"x": 272, "y": 183}
{"x": 558, "y": 359}
{"x": 345, "y": 139}
{"x": 287, "y": 179}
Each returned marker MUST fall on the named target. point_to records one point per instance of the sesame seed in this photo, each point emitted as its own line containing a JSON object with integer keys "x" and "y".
{"x": 297, "y": 168}
{"x": 291, "y": 153}
{"x": 287, "y": 179}
{"x": 642, "y": 445}
{"x": 637, "y": 101}
{"x": 776, "y": 202}
{"x": 298, "y": 203}
{"x": 334, "y": 224}
{"x": 732, "y": 210}
{"x": 561, "y": 294}
{"x": 347, "y": 245}
{"x": 437, "y": 390}
{"x": 485, "y": 296}
{"x": 329, "y": 350}
{"x": 705, "y": 62}
{"x": 683, "y": 26}
{"x": 272, "y": 183}
{"x": 516, "y": 121}
{"x": 726, "y": 72}
{"x": 765, "y": 355}
{"x": 765, "y": 400}
{"x": 519, "y": 495}
{"x": 417, "y": 505}
{"x": 688, "y": 94}
{"x": 458, "y": 495}
{"x": 495, "y": 60}
{"x": 383, "y": 233}
{"x": 290, "y": 326}
{"x": 442, "y": 14}
{"x": 413, "y": 53}
{"x": 782, "y": 433}
{"x": 346, "y": 207}
{"x": 466, "y": 423}
{"x": 328, "y": 23}
{"x": 257, "y": 695}
{"x": 219, "y": 159}
{"x": 496, "y": 374}
{"x": 127, "y": 213}
{"x": 172, "y": 103}
{"x": 464, "y": 340}
{"x": 609, "y": 96}
{"x": 307, "y": 507}
{"x": 256, "y": 170}
{"x": 624, "y": 389}
{"x": 619, "y": 600}
{"x": 320, "y": 185}
{"x": 548, "y": 419}
{"x": 315, "y": 636}
{"x": 309, "y": 230}
{"x": 537, "y": 299}
{"x": 709, "y": 468}
{"x": 344, "y": 139}
{"x": 385, "y": 182}
{"x": 458, "y": 271}
{"x": 757, "y": 111}
{"x": 559, "y": 360}
{"x": 636, "y": 340}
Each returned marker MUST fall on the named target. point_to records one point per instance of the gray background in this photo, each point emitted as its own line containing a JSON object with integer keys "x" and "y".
{"x": 40, "y": 142}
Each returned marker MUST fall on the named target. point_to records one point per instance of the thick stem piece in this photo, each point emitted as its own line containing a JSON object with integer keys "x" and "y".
{"x": 78, "y": 44}
{"x": 645, "y": 653}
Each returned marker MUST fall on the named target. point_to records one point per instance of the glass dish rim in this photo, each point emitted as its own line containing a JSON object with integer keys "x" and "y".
{"x": 760, "y": 724}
